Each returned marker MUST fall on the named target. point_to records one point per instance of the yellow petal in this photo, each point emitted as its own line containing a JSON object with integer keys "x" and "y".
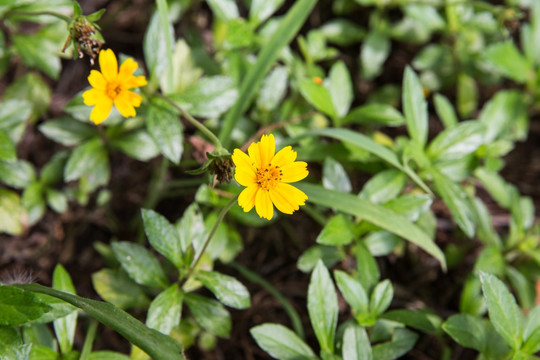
{"x": 101, "y": 111}
{"x": 293, "y": 172}
{"x": 284, "y": 157}
{"x": 246, "y": 199}
{"x": 135, "y": 81}
{"x": 97, "y": 81}
{"x": 241, "y": 160}
{"x": 288, "y": 197}
{"x": 108, "y": 65}
{"x": 263, "y": 204}
{"x": 94, "y": 96}
{"x": 254, "y": 154}
{"x": 124, "y": 104}
{"x": 267, "y": 149}
{"x": 244, "y": 176}
{"x": 127, "y": 69}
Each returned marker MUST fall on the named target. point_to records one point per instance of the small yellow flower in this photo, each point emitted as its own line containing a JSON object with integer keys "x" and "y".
{"x": 112, "y": 86}
{"x": 267, "y": 175}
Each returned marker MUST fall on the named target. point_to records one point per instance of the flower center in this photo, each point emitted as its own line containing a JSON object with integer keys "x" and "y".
{"x": 113, "y": 89}
{"x": 267, "y": 177}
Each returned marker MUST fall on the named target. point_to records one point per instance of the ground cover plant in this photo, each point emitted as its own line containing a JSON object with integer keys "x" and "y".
{"x": 256, "y": 179}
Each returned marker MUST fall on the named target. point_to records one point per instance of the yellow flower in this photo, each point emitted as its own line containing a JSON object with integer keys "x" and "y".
{"x": 267, "y": 175}
{"x": 112, "y": 86}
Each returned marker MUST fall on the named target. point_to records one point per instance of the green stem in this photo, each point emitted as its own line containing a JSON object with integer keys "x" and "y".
{"x": 37, "y": 13}
{"x": 90, "y": 336}
{"x": 289, "y": 309}
{"x": 220, "y": 217}
{"x": 200, "y": 126}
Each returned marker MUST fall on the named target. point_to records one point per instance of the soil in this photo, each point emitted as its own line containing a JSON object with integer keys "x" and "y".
{"x": 270, "y": 251}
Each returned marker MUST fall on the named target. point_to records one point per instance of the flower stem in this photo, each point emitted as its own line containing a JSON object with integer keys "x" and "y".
{"x": 200, "y": 126}
{"x": 89, "y": 340}
{"x": 37, "y": 13}
{"x": 220, "y": 217}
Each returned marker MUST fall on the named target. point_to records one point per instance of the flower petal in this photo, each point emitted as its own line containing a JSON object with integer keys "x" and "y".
{"x": 254, "y": 154}
{"x": 244, "y": 176}
{"x": 267, "y": 149}
{"x": 241, "y": 160}
{"x": 125, "y": 102}
{"x": 287, "y": 198}
{"x": 108, "y": 65}
{"x": 263, "y": 204}
{"x": 246, "y": 199}
{"x": 127, "y": 69}
{"x": 284, "y": 157}
{"x": 101, "y": 111}
{"x": 94, "y": 96}
{"x": 293, "y": 172}
{"x": 97, "y": 81}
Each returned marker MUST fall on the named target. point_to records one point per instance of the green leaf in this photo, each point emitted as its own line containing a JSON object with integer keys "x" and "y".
{"x": 384, "y": 186}
{"x": 165, "y": 310}
{"x": 7, "y": 149}
{"x": 342, "y": 31}
{"x": 457, "y": 141}
{"x": 33, "y": 202}
{"x": 415, "y": 107}
{"x": 210, "y": 97}
{"x": 381, "y": 297}
{"x": 361, "y": 141}
{"x": 524, "y": 287}
{"x": 13, "y": 116}
{"x": 496, "y": 186}
{"x": 323, "y": 307}
{"x": 37, "y": 51}
{"x": 423, "y": 321}
{"x": 445, "y": 111}
{"x": 227, "y": 289}
{"x": 467, "y": 95}
{"x": 353, "y": 292}
{"x": 402, "y": 341}
{"x": 34, "y": 92}
{"x": 328, "y": 254}
{"x": 318, "y": 96}
{"x": 457, "y": 201}
{"x": 261, "y": 10}
{"x": 85, "y": 159}
{"x": 107, "y": 355}
{"x": 9, "y": 336}
{"x": 466, "y": 330}
{"x": 11, "y": 213}
{"x": 341, "y": 88}
{"x": 375, "y": 51}
{"x": 337, "y": 231}
{"x": 185, "y": 72}
{"x": 504, "y": 313}
{"x": 356, "y": 344}
{"x": 382, "y": 243}
{"x": 163, "y": 236}
{"x": 281, "y": 343}
{"x": 411, "y": 206}
{"x": 375, "y": 113}
{"x": 157, "y": 46}
{"x": 210, "y": 314}
{"x": 287, "y": 29}
{"x": 155, "y": 344}
{"x": 56, "y": 200}
{"x": 117, "y": 288}
{"x": 138, "y": 144}
{"x": 509, "y": 61}
{"x": 141, "y": 265}
{"x": 166, "y": 129}
{"x": 65, "y": 326}
{"x": 374, "y": 214}
{"x": 17, "y": 174}
{"x": 531, "y": 333}
{"x": 273, "y": 88}
{"x": 67, "y": 131}
{"x": 334, "y": 176}
{"x": 18, "y": 307}
{"x": 225, "y": 10}
{"x": 508, "y": 104}
{"x": 52, "y": 172}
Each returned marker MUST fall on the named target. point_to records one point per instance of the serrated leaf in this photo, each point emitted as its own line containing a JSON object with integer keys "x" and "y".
{"x": 323, "y": 307}
{"x": 466, "y": 330}
{"x": 415, "y": 107}
{"x": 165, "y": 127}
{"x": 141, "y": 265}
{"x": 337, "y": 231}
{"x": 210, "y": 314}
{"x": 165, "y": 310}
{"x": 65, "y": 326}
{"x": 281, "y": 343}
{"x": 504, "y": 313}
{"x": 227, "y": 289}
{"x": 163, "y": 236}
{"x": 18, "y": 307}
